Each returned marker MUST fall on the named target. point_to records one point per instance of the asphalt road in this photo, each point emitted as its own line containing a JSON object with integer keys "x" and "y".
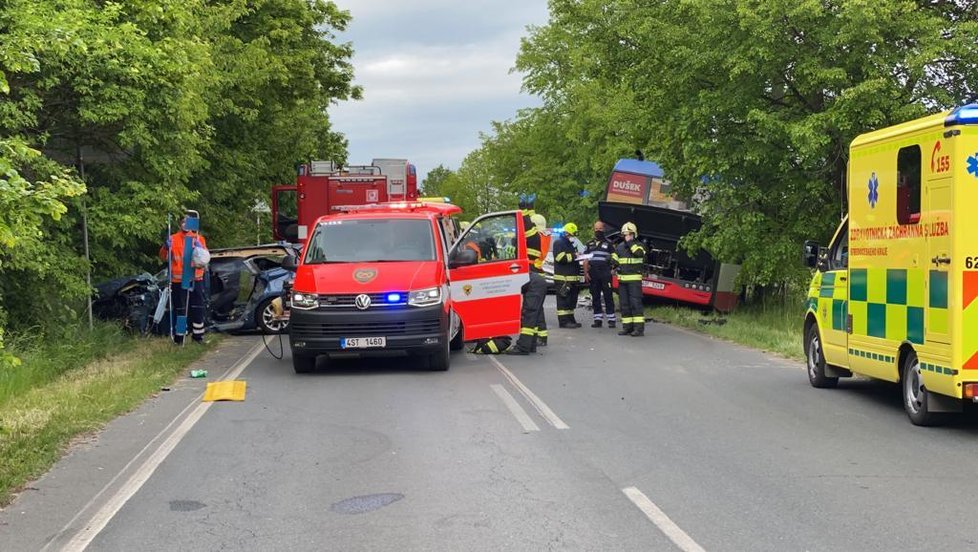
{"x": 671, "y": 442}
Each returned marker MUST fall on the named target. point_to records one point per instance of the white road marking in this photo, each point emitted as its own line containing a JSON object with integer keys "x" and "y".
{"x": 538, "y": 404}
{"x": 521, "y": 416}
{"x": 662, "y": 521}
{"x": 111, "y": 507}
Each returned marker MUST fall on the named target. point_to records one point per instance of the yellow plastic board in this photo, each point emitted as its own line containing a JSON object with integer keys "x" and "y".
{"x": 225, "y": 391}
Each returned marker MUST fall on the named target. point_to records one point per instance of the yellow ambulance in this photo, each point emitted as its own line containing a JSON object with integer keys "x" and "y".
{"x": 895, "y": 295}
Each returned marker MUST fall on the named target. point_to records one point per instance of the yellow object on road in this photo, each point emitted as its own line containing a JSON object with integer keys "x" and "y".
{"x": 225, "y": 391}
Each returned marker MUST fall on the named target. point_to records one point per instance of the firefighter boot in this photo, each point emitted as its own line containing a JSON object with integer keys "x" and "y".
{"x": 626, "y": 329}
{"x": 541, "y": 341}
{"x": 638, "y": 331}
{"x": 597, "y": 324}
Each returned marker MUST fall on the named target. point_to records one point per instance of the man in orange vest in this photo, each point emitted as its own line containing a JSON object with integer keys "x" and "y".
{"x": 173, "y": 250}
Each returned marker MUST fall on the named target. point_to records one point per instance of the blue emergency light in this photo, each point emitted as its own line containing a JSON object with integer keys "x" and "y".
{"x": 964, "y": 115}
{"x": 393, "y": 297}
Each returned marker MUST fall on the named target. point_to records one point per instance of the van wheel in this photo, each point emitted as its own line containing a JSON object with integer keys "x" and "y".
{"x": 303, "y": 364}
{"x": 439, "y": 362}
{"x": 458, "y": 341}
{"x": 915, "y": 394}
{"x": 816, "y": 361}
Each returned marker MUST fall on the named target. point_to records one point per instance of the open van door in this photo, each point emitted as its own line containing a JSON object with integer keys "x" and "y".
{"x": 487, "y": 270}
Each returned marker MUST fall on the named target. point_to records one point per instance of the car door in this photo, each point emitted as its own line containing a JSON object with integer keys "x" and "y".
{"x": 833, "y": 302}
{"x": 486, "y": 295}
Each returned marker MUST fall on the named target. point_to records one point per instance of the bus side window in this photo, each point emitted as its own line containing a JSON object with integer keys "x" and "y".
{"x": 908, "y": 185}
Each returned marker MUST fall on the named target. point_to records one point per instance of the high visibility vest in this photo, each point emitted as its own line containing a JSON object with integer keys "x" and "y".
{"x": 176, "y": 256}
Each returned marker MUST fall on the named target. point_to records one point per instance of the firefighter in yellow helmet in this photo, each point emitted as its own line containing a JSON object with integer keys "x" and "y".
{"x": 629, "y": 260}
{"x": 566, "y": 277}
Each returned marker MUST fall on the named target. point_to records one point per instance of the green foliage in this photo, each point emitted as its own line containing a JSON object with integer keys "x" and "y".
{"x": 157, "y": 105}
{"x": 749, "y": 105}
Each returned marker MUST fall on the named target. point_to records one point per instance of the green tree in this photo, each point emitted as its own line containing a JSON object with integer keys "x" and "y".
{"x": 749, "y": 105}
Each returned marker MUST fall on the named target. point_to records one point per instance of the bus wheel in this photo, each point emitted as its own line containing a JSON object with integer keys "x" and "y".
{"x": 915, "y": 395}
{"x": 816, "y": 361}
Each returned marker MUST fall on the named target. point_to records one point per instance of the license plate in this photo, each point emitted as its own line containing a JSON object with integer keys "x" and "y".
{"x": 653, "y": 285}
{"x": 363, "y": 342}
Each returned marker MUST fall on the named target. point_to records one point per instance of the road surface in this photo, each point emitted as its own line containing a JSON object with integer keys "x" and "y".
{"x": 671, "y": 442}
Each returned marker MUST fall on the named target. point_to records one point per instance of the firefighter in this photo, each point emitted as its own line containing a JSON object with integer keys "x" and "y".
{"x": 535, "y": 291}
{"x": 597, "y": 274}
{"x": 182, "y": 298}
{"x": 566, "y": 276}
{"x": 540, "y": 223}
{"x": 629, "y": 258}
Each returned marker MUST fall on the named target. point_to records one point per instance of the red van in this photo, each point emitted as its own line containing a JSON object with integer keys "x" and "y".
{"x": 393, "y": 279}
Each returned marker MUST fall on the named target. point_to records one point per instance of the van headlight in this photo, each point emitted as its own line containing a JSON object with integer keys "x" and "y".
{"x": 304, "y": 301}
{"x": 425, "y": 297}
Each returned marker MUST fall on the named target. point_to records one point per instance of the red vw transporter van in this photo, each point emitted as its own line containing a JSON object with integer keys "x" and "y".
{"x": 393, "y": 279}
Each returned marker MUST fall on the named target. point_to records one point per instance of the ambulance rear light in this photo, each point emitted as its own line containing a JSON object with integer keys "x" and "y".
{"x": 971, "y": 391}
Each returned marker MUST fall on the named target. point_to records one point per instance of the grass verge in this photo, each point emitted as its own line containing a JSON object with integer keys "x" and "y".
{"x": 772, "y": 327}
{"x": 62, "y": 390}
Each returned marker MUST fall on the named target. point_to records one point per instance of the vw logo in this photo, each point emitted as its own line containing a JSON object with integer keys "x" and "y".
{"x": 362, "y": 301}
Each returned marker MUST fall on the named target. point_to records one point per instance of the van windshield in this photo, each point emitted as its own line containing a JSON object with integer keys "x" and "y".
{"x": 371, "y": 240}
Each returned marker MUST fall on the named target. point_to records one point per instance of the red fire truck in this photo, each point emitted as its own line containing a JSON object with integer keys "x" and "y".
{"x": 323, "y": 188}
{"x": 637, "y": 192}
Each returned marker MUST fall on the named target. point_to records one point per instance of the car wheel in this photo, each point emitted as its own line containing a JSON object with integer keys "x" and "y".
{"x": 439, "y": 362}
{"x": 303, "y": 364}
{"x": 915, "y": 394}
{"x": 265, "y": 317}
{"x": 816, "y": 361}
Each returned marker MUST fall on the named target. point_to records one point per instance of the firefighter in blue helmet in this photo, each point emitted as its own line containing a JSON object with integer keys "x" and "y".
{"x": 535, "y": 291}
{"x": 629, "y": 259}
{"x": 566, "y": 276}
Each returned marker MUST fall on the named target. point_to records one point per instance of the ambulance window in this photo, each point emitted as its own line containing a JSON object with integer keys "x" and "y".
{"x": 839, "y": 255}
{"x": 908, "y": 185}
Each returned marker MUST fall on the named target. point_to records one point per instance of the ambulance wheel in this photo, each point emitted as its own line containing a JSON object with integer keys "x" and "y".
{"x": 303, "y": 364}
{"x": 816, "y": 361}
{"x": 915, "y": 394}
{"x": 438, "y": 362}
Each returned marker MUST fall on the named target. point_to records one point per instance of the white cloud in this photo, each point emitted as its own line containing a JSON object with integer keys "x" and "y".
{"x": 434, "y": 73}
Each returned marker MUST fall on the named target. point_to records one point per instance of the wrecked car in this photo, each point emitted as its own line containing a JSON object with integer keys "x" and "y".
{"x": 241, "y": 283}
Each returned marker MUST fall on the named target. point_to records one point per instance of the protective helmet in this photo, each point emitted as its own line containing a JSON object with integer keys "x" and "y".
{"x": 539, "y": 221}
{"x": 570, "y": 228}
{"x": 527, "y": 201}
{"x": 629, "y": 228}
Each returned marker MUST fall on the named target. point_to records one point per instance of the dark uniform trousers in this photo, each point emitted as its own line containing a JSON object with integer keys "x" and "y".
{"x": 531, "y": 315}
{"x": 602, "y": 299}
{"x": 196, "y": 316}
{"x": 630, "y": 299}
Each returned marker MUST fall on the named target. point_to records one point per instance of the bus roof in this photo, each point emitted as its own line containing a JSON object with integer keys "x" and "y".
{"x": 634, "y": 166}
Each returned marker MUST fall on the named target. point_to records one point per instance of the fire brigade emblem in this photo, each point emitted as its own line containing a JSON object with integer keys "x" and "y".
{"x": 364, "y": 275}
{"x": 467, "y": 289}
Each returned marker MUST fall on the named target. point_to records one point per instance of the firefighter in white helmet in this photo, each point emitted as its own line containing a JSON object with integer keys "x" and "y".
{"x": 629, "y": 260}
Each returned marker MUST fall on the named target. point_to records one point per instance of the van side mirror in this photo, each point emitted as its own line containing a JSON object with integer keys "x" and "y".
{"x": 810, "y": 253}
{"x": 823, "y": 259}
{"x": 463, "y": 257}
{"x": 290, "y": 263}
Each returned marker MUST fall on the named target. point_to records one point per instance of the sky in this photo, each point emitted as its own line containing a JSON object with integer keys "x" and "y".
{"x": 435, "y": 74}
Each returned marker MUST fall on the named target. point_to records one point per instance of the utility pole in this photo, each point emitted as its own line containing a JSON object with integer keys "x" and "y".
{"x": 88, "y": 259}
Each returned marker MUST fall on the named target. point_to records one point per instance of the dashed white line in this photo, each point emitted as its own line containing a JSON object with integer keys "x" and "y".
{"x": 521, "y": 416}
{"x": 111, "y": 507}
{"x": 538, "y": 404}
{"x": 662, "y": 521}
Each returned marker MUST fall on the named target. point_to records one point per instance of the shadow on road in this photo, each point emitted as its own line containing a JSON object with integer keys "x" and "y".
{"x": 888, "y": 396}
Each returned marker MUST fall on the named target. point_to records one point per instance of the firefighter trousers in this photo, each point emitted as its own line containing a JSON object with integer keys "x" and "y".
{"x": 566, "y": 303}
{"x": 195, "y": 318}
{"x": 534, "y": 293}
{"x": 630, "y": 300}
{"x": 602, "y": 299}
